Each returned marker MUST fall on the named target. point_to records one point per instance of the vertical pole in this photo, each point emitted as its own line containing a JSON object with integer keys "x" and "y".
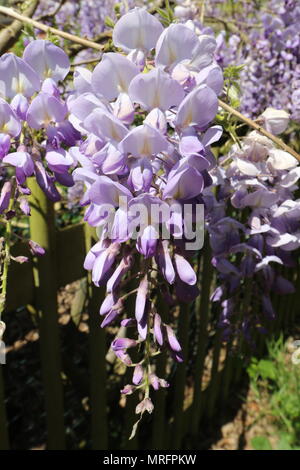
{"x": 158, "y": 427}
{"x": 183, "y": 330}
{"x": 206, "y": 279}
{"x": 215, "y": 380}
{"x": 97, "y": 338}
{"x": 4, "y": 443}
{"x": 42, "y": 230}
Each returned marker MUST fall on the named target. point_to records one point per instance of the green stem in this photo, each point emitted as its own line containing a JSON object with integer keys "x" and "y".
{"x": 6, "y": 261}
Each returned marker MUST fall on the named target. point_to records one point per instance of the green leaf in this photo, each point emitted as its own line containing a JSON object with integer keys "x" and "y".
{"x": 261, "y": 443}
{"x": 267, "y": 369}
{"x": 108, "y": 21}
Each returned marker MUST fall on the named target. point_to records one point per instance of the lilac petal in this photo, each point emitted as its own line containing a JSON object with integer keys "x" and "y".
{"x": 138, "y": 57}
{"x": 16, "y": 76}
{"x": 23, "y": 162}
{"x": 120, "y": 229}
{"x": 154, "y": 381}
{"x": 260, "y": 198}
{"x": 113, "y": 75}
{"x": 82, "y": 79}
{"x": 165, "y": 262}
{"x": 172, "y": 340}
{"x": 145, "y": 405}
{"x": 147, "y": 241}
{"x": 84, "y": 104}
{"x": 156, "y": 118}
{"x": 198, "y": 108}
{"x": 157, "y": 329}
{"x": 20, "y": 105}
{"x": 176, "y": 43}
{"x": 4, "y": 145}
{"x": 190, "y": 145}
{"x": 123, "y": 356}
{"x": 49, "y": 86}
{"x": 106, "y": 191}
{"x": 137, "y": 29}
{"x": 45, "y": 109}
{"x": 112, "y": 161}
{"x": 185, "y": 270}
{"x": 9, "y": 122}
{"x": 36, "y": 249}
{"x": 202, "y": 55}
{"x": 105, "y": 125}
{"x": 66, "y": 179}
{"x": 184, "y": 184}
{"x": 123, "y": 343}
{"x": 119, "y": 272}
{"x": 24, "y": 206}
{"x": 212, "y": 135}
{"x": 109, "y": 318}
{"x": 46, "y": 182}
{"x": 211, "y": 76}
{"x": 47, "y": 59}
{"x": 138, "y": 374}
{"x": 128, "y": 322}
{"x": 142, "y": 327}
{"x": 124, "y": 109}
{"x": 143, "y": 141}
{"x": 281, "y": 160}
{"x": 104, "y": 262}
{"x": 5, "y": 196}
{"x": 128, "y": 390}
{"x": 155, "y": 89}
{"x": 141, "y": 174}
{"x": 59, "y": 160}
{"x": 141, "y": 298}
{"x": 107, "y": 304}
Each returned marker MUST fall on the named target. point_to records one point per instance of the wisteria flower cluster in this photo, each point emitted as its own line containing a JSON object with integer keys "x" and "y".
{"x": 258, "y": 181}
{"x": 146, "y": 116}
{"x": 34, "y": 127}
{"x": 132, "y": 141}
{"x": 270, "y": 54}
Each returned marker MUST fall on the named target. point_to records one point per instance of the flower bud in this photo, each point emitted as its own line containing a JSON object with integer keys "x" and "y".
{"x": 144, "y": 405}
{"x": 275, "y": 120}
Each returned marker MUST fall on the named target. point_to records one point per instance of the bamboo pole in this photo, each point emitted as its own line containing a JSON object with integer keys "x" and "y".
{"x": 206, "y": 279}
{"x": 179, "y": 385}
{"x": 4, "y": 442}
{"x": 42, "y": 231}
{"x": 215, "y": 380}
{"x": 97, "y": 368}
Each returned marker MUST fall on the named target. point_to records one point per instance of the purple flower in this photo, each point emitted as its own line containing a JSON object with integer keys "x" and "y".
{"x": 47, "y": 59}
